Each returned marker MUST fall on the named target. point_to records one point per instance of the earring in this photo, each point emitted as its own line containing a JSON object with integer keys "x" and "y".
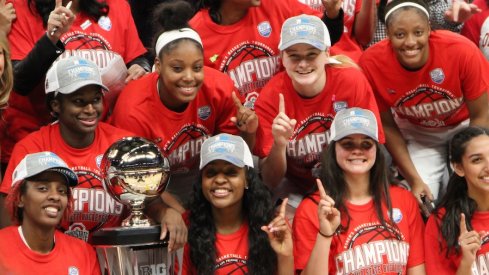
{"x": 246, "y": 187}
{"x": 20, "y": 205}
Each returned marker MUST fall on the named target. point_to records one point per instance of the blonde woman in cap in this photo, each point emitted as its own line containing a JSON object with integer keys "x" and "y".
{"x": 40, "y": 198}
{"x": 297, "y": 106}
{"x": 355, "y": 222}
{"x": 233, "y": 227}
{"x": 427, "y": 84}
{"x": 75, "y": 95}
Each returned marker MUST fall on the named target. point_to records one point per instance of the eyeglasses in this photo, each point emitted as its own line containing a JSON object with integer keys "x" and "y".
{"x": 350, "y": 145}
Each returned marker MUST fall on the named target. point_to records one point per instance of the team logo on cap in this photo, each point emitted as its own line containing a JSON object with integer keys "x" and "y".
{"x": 339, "y": 105}
{"x": 204, "y": 112}
{"x": 264, "y": 28}
{"x": 437, "y": 75}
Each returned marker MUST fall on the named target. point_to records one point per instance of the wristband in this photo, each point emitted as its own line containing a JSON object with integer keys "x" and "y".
{"x": 326, "y": 236}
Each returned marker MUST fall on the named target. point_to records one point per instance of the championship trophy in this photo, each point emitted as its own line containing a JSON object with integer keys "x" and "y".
{"x": 134, "y": 171}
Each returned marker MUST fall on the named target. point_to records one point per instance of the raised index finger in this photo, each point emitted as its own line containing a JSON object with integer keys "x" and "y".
{"x": 281, "y": 212}
{"x": 59, "y": 3}
{"x": 463, "y": 225}
{"x": 281, "y": 103}
{"x": 236, "y": 100}
{"x": 322, "y": 192}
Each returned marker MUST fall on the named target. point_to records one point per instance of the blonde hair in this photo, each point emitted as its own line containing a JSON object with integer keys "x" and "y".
{"x": 7, "y": 78}
{"x": 342, "y": 61}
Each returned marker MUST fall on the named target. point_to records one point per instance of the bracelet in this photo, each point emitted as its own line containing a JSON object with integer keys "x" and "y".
{"x": 326, "y": 236}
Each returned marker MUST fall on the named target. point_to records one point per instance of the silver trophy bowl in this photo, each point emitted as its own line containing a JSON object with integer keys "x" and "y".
{"x": 135, "y": 170}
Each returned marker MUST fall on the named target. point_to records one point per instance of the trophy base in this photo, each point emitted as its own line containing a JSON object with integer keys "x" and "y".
{"x": 132, "y": 251}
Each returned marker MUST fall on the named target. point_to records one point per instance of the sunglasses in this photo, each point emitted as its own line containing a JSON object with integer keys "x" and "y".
{"x": 350, "y": 145}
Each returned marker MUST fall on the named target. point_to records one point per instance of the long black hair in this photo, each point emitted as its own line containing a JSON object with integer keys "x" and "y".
{"x": 213, "y": 7}
{"x": 93, "y": 8}
{"x": 170, "y": 16}
{"x": 456, "y": 200}
{"x": 334, "y": 183}
{"x": 257, "y": 210}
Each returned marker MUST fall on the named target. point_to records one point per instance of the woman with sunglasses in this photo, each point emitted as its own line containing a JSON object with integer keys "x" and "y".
{"x": 355, "y": 222}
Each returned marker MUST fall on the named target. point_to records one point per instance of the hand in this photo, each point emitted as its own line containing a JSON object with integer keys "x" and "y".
{"x": 60, "y": 20}
{"x": 469, "y": 241}
{"x": 420, "y": 189}
{"x": 332, "y": 8}
{"x": 278, "y": 232}
{"x": 246, "y": 120}
{"x": 7, "y": 15}
{"x": 135, "y": 72}
{"x": 329, "y": 216}
{"x": 282, "y": 125}
{"x": 172, "y": 222}
{"x": 460, "y": 11}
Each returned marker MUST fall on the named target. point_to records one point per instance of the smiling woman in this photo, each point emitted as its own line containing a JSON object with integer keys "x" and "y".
{"x": 427, "y": 84}
{"x": 40, "y": 198}
{"x": 183, "y": 102}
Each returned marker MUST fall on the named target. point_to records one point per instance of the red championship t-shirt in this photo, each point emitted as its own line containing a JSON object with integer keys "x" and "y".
{"x": 179, "y": 134}
{"x": 114, "y": 33}
{"x": 69, "y": 256}
{"x": 231, "y": 253}
{"x": 437, "y": 261}
{"x": 367, "y": 247}
{"x": 435, "y": 95}
{"x": 345, "y": 88}
{"x": 93, "y": 207}
{"x": 247, "y": 51}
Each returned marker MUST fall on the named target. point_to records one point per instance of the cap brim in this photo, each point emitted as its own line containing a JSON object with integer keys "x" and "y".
{"x": 284, "y": 46}
{"x": 79, "y": 84}
{"x": 71, "y": 177}
{"x": 220, "y": 156}
{"x": 358, "y": 131}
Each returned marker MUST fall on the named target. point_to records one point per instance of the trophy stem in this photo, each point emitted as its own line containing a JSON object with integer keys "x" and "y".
{"x": 137, "y": 217}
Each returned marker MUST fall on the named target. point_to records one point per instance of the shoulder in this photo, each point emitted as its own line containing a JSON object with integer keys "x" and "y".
{"x": 375, "y": 53}
{"x": 403, "y": 198}
{"x": 198, "y": 19}
{"x": 114, "y": 132}
{"x": 443, "y": 40}
{"x": 139, "y": 89}
{"x": 216, "y": 81}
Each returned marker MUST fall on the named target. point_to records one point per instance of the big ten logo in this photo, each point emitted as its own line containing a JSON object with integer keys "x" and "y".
{"x": 154, "y": 269}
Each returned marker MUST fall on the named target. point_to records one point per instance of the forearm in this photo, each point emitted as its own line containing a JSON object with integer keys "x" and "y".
{"x": 141, "y": 61}
{"x": 464, "y": 268}
{"x": 285, "y": 265}
{"x": 334, "y": 25}
{"x": 31, "y": 70}
{"x": 397, "y": 147}
{"x": 250, "y": 139}
{"x": 274, "y": 166}
{"x": 319, "y": 260}
{"x": 479, "y": 111}
{"x": 4, "y": 215}
{"x": 365, "y": 21}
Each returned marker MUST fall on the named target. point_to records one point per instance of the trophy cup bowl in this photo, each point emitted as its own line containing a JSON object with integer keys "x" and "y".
{"x": 134, "y": 171}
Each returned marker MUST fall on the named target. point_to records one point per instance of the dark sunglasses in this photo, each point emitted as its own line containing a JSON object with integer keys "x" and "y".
{"x": 350, "y": 145}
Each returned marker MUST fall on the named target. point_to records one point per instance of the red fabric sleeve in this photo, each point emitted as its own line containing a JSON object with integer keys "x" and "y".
{"x": 436, "y": 261}
{"x": 305, "y": 229}
{"x": 416, "y": 232}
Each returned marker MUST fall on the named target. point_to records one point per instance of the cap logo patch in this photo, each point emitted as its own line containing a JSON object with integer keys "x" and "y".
{"x": 356, "y": 122}
{"x": 222, "y": 147}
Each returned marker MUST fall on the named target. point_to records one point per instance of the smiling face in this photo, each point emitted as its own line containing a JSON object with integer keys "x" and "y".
{"x": 80, "y": 111}
{"x": 409, "y": 32}
{"x": 305, "y": 66}
{"x": 181, "y": 71}
{"x": 223, "y": 184}
{"x": 475, "y": 167}
{"x": 45, "y": 200}
{"x": 355, "y": 154}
